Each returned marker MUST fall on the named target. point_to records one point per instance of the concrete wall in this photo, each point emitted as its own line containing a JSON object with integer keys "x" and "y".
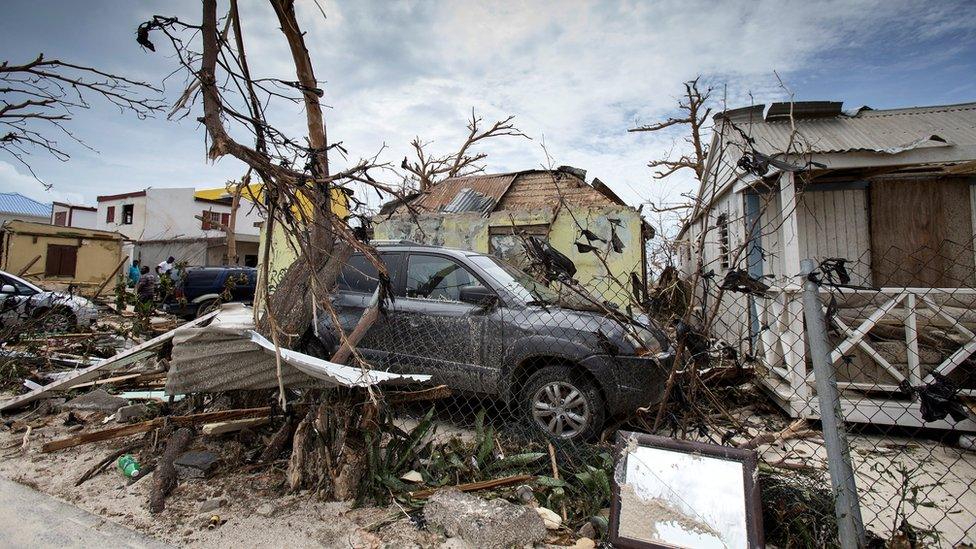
{"x": 170, "y": 214}
{"x": 98, "y": 253}
{"x": 471, "y": 231}
{"x": 5, "y": 217}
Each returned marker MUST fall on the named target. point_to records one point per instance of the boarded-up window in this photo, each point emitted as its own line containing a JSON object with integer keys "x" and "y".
{"x": 922, "y": 233}
{"x": 61, "y": 219}
{"x": 61, "y": 260}
{"x": 127, "y": 213}
{"x": 110, "y": 214}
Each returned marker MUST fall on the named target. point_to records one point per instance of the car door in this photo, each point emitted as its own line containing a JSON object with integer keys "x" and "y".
{"x": 438, "y": 334}
{"x": 354, "y": 290}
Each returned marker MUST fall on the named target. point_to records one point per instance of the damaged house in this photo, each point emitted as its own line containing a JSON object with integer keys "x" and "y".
{"x": 493, "y": 213}
{"x": 178, "y": 222}
{"x": 889, "y": 192}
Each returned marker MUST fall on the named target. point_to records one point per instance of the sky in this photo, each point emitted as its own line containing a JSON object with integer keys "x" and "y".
{"x": 576, "y": 75}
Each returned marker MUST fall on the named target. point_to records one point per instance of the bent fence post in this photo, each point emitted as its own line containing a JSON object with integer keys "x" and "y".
{"x": 850, "y": 528}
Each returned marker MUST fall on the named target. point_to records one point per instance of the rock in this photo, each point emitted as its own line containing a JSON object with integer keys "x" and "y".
{"x": 196, "y": 464}
{"x": 97, "y": 400}
{"x": 412, "y": 476}
{"x": 526, "y": 495}
{"x": 484, "y": 523}
{"x": 212, "y": 504}
{"x": 265, "y": 510}
{"x": 549, "y": 517}
{"x": 587, "y": 531}
{"x": 132, "y": 413}
{"x": 585, "y": 543}
{"x": 455, "y": 543}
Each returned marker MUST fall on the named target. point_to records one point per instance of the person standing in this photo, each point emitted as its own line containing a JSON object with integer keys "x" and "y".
{"x": 166, "y": 266}
{"x": 134, "y": 273}
{"x": 146, "y": 287}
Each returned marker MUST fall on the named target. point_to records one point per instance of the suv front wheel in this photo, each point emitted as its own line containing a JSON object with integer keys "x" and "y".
{"x": 563, "y": 403}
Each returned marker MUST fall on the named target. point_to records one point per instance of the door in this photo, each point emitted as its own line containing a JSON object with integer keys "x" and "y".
{"x": 354, "y": 291}
{"x": 438, "y": 334}
{"x": 921, "y": 233}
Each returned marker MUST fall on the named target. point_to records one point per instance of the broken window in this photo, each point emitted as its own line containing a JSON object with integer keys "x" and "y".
{"x": 110, "y": 214}
{"x": 127, "y": 213}
{"x": 432, "y": 277}
{"x": 61, "y": 260}
{"x": 507, "y": 242}
{"x": 723, "y": 241}
{"x": 359, "y": 274}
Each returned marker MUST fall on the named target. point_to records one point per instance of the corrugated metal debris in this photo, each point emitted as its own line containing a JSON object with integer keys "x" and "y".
{"x": 226, "y": 355}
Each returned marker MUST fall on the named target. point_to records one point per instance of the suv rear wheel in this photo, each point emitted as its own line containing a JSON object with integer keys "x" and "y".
{"x": 563, "y": 403}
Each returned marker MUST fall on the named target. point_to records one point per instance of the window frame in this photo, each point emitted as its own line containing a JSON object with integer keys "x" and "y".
{"x": 402, "y": 287}
{"x": 110, "y": 214}
{"x": 128, "y": 214}
{"x": 49, "y": 269}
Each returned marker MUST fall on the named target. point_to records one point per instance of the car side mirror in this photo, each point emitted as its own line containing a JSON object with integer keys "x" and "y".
{"x": 478, "y": 295}
{"x": 8, "y": 289}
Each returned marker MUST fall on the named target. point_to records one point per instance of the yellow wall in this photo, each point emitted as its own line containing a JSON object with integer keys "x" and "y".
{"x": 284, "y": 249}
{"x": 470, "y": 231}
{"x": 99, "y": 252}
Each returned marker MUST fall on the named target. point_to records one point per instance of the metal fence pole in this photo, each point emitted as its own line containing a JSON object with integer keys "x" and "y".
{"x": 850, "y": 528}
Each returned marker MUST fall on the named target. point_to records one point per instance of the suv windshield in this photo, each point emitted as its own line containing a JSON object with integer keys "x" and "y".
{"x": 527, "y": 289}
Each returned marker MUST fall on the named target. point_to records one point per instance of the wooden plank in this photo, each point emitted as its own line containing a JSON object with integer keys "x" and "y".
{"x": 791, "y": 238}
{"x": 475, "y": 486}
{"x": 869, "y": 350}
{"x": 864, "y": 328}
{"x": 232, "y": 426}
{"x": 27, "y": 267}
{"x": 146, "y": 426}
{"x": 92, "y": 372}
{"x": 110, "y": 277}
{"x": 911, "y": 341}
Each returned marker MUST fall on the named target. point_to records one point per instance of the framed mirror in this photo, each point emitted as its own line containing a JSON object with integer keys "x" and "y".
{"x": 671, "y": 493}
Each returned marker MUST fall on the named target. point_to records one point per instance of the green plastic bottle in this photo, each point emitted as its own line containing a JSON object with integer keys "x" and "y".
{"x": 128, "y": 466}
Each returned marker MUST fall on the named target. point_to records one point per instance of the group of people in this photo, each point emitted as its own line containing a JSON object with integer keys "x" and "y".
{"x": 146, "y": 283}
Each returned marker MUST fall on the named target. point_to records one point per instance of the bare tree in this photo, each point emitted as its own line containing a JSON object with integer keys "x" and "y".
{"x": 427, "y": 170}
{"x": 40, "y": 97}
{"x": 695, "y": 110}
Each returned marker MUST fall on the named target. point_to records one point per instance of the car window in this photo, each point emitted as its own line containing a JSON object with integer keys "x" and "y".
{"x": 432, "y": 277}
{"x": 22, "y": 289}
{"x": 359, "y": 274}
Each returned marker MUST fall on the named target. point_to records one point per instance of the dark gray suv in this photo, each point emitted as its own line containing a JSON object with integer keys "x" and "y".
{"x": 479, "y": 325}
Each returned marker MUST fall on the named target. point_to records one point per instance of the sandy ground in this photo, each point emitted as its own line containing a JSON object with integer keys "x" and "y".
{"x": 258, "y": 512}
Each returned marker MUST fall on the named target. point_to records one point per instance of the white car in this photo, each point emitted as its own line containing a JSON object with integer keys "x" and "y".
{"x": 24, "y": 303}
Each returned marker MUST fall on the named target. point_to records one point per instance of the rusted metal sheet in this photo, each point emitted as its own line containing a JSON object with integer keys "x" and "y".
{"x": 443, "y": 193}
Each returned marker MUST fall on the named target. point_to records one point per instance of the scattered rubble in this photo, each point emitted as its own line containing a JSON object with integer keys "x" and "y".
{"x": 484, "y": 523}
{"x": 97, "y": 400}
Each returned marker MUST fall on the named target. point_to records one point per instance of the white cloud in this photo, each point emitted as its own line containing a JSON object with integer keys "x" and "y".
{"x": 12, "y": 181}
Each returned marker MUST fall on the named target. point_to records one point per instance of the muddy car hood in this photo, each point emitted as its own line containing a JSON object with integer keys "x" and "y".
{"x": 586, "y": 326}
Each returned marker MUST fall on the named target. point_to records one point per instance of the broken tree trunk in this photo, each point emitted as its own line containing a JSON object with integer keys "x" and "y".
{"x": 164, "y": 478}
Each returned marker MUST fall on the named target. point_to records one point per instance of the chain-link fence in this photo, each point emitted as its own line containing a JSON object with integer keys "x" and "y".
{"x": 900, "y": 338}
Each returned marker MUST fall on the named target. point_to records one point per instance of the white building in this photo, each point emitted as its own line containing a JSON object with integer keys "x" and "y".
{"x": 892, "y": 193}
{"x": 167, "y": 222}
{"x": 74, "y": 215}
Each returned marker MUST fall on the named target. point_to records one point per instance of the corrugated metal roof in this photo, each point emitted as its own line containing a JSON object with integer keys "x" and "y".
{"x": 443, "y": 193}
{"x": 468, "y": 200}
{"x": 18, "y": 204}
{"x": 886, "y": 131}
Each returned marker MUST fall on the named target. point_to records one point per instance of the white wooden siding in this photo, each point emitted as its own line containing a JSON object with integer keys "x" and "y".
{"x": 835, "y": 224}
